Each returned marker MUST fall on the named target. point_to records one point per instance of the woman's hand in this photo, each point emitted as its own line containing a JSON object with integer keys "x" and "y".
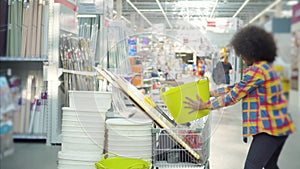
{"x": 195, "y": 105}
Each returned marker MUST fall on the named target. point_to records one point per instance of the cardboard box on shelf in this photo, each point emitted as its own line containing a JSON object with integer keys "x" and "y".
{"x": 136, "y": 68}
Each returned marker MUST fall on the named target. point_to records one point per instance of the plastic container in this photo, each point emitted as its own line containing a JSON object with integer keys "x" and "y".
{"x": 174, "y": 97}
{"x": 127, "y": 152}
{"x": 66, "y": 122}
{"x": 77, "y": 161}
{"x": 83, "y": 128}
{"x": 116, "y": 162}
{"x": 130, "y": 145}
{"x": 66, "y": 147}
{"x": 99, "y": 140}
{"x": 90, "y": 100}
{"x": 133, "y": 133}
{"x": 73, "y": 111}
{"x": 129, "y": 142}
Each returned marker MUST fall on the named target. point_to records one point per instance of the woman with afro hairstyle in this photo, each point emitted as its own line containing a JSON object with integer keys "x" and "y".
{"x": 264, "y": 107}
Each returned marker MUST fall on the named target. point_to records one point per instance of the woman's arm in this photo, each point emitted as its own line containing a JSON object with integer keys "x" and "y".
{"x": 251, "y": 80}
{"x": 253, "y": 77}
{"x": 220, "y": 91}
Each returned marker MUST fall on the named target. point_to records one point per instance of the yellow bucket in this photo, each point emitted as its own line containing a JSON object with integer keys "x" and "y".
{"x": 174, "y": 97}
{"x": 116, "y": 162}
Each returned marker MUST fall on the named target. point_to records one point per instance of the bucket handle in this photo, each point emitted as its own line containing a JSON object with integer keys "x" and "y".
{"x": 163, "y": 90}
{"x": 108, "y": 154}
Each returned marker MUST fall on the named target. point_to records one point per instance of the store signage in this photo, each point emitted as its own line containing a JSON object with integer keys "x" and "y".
{"x": 88, "y": 8}
{"x": 185, "y": 41}
{"x": 211, "y": 24}
{"x": 67, "y": 3}
{"x": 221, "y": 25}
{"x": 132, "y": 45}
{"x": 108, "y": 12}
{"x": 68, "y": 20}
{"x": 296, "y": 13}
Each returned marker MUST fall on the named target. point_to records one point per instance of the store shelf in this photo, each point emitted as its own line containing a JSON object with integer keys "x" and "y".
{"x": 29, "y": 137}
{"x": 22, "y": 59}
{"x": 84, "y": 73}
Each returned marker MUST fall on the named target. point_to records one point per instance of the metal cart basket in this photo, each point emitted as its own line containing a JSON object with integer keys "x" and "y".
{"x": 187, "y": 146}
{"x": 168, "y": 154}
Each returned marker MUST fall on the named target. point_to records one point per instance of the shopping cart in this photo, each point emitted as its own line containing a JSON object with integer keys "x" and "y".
{"x": 168, "y": 154}
{"x": 181, "y": 152}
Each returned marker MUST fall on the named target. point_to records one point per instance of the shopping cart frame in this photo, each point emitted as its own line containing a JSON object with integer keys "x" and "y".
{"x": 168, "y": 154}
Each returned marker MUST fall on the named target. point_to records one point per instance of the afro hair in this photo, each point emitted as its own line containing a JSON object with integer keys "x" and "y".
{"x": 253, "y": 44}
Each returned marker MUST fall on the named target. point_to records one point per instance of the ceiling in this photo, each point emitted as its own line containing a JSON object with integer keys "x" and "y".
{"x": 175, "y": 13}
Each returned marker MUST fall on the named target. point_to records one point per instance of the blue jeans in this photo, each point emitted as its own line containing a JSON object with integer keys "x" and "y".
{"x": 227, "y": 79}
{"x": 264, "y": 151}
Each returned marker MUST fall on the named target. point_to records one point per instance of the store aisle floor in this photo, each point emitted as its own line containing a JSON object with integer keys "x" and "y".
{"x": 31, "y": 156}
{"x": 227, "y": 150}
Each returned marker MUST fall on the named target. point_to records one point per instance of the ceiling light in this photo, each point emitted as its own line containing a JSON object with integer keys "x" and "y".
{"x": 213, "y": 11}
{"x": 164, "y": 13}
{"x": 115, "y": 12}
{"x": 150, "y": 10}
{"x": 291, "y": 3}
{"x": 242, "y": 7}
{"x": 138, "y": 11}
{"x": 264, "y": 11}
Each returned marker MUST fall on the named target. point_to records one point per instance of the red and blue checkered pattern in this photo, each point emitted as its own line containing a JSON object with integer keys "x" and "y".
{"x": 264, "y": 106}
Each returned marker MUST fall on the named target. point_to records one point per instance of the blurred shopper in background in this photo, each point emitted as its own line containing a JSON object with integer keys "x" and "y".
{"x": 264, "y": 107}
{"x": 201, "y": 67}
{"x": 221, "y": 72}
{"x": 227, "y": 68}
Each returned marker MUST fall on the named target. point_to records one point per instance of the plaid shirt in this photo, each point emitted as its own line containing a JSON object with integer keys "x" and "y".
{"x": 263, "y": 105}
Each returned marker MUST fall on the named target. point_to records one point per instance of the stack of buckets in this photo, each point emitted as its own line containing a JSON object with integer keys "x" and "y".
{"x": 130, "y": 137}
{"x": 83, "y": 129}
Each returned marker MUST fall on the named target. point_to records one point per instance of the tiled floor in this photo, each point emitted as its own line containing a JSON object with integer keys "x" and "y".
{"x": 227, "y": 150}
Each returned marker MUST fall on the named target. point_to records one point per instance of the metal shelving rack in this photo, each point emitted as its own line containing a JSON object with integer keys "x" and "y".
{"x": 22, "y": 64}
{"x": 53, "y": 72}
{"x": 20, "y": 67}
{"x": 57, "y": 10}
{"x": 22, "y": 59}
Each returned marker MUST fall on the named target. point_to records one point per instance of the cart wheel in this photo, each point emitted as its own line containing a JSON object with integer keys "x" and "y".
{"x": 207, "y": 165}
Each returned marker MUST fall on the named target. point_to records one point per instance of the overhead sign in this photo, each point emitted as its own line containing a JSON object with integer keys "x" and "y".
{"x": 223, "y": 25}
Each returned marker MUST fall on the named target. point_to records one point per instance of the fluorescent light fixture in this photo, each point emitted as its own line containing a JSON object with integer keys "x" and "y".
{"x": 138, "y": 11}
{"x": 291, "y": 3}
{"x": 86, "y": 16}
{"x": 242, "y": 7}
{"x": 214, "y": 8}
{"x": 193, "y": 4}
{"x": 150, "y": 10}
{"x": 264, "y": 11}
{"x": 115, "y": 12}
{"x": 126, "y": 19}
{"x": 164, "y": 13}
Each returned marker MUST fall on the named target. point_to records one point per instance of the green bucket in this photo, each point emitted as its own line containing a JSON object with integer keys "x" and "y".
{"x": 174, "y": 97}
{"x": 116, "y": 162}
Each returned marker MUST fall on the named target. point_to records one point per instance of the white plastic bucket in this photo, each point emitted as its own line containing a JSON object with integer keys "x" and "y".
{"x": 66, "y": 146}
{"x": 90, "y": 100}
